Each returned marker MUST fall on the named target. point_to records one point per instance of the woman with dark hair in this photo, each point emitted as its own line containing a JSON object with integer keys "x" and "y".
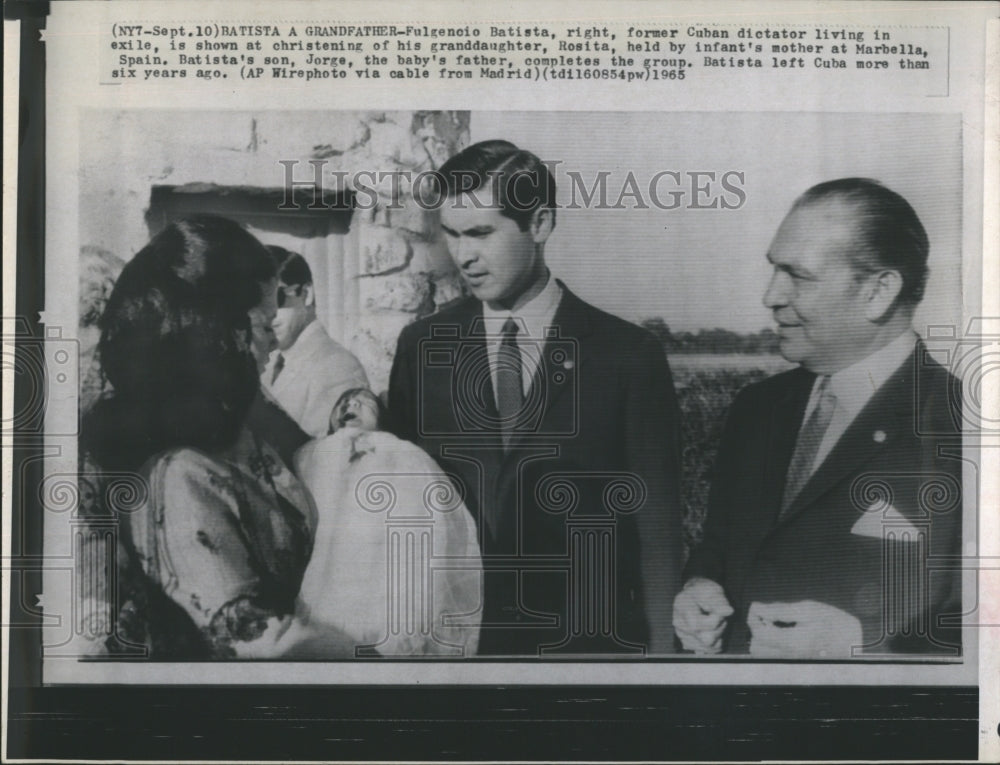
{"x": 217, "y": 547}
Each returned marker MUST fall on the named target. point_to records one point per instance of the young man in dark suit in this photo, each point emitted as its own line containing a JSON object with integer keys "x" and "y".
{"x": 836, "y": 500}
{"x": 558, "y": 422}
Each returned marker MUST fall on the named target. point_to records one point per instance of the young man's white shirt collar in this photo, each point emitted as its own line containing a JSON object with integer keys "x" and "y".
{"x": 533, "y": 318}
{"x": 854, "y": 387}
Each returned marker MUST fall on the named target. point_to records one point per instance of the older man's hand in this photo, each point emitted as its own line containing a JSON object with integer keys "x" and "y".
{"x": 806, "y": 629}
{"x": 701, "y": 611}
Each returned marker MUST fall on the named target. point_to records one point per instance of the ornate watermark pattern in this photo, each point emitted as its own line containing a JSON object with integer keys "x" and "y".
{"x": 45, "y": 370}
{"x": 971, "y": 356}
{"x": 592, "y": 596}
{"x": 421, "y": 562}
{"x": 98, "y": 505}
{"x": 455, "y": 359}
{"x": 918, "y": 516}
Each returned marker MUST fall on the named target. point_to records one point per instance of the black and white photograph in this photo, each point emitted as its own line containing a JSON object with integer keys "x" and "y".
{"x": 657, "y": 482}
{"x": 565, "y": 353}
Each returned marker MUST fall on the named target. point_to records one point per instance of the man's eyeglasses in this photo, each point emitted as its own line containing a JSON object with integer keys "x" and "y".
{"x": 284, "y": 292}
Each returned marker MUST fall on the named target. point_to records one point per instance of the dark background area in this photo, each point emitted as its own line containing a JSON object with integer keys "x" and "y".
{"x": 499, "y": 724}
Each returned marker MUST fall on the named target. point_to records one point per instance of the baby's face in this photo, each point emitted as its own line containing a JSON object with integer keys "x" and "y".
{"x": 358, "y": 411}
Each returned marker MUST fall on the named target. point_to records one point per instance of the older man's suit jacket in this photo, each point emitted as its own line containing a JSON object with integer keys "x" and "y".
{"x": 875, "y": 530}
{"x": 579, "y": 520}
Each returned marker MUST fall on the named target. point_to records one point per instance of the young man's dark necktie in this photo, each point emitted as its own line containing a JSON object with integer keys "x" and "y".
{"x": 807, "y": 446}
{"x": 510, "y": 393}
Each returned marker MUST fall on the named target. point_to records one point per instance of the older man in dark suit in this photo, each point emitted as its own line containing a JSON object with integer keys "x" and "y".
{"x": 836, "y": 500}
{"x": 557, "y": 421}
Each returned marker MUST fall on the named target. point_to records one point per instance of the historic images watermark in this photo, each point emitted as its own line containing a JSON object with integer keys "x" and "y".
{"x": 666, "y": 189}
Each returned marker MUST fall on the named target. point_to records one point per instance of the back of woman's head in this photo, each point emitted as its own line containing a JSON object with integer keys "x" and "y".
{"x": 175, "y": 343}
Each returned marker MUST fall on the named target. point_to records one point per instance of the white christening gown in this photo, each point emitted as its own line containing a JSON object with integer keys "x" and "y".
{"x": 395, "y": 563}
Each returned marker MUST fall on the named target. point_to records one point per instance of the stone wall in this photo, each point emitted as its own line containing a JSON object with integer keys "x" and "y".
{"x": 405, "y": 270}
{"x": 396, "y": 265}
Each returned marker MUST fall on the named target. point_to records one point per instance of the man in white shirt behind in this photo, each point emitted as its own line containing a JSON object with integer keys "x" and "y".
{"x": 309, "y": 371}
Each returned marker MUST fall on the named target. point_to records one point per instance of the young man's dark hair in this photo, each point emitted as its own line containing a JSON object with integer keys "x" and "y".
{"x": 521, "y": 181}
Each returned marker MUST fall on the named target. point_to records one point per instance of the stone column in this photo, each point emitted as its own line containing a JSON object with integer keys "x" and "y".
{"x": 404, "y": 270}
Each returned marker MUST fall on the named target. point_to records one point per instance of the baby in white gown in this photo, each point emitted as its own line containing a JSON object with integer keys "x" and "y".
{"x": 395, "y": 562}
